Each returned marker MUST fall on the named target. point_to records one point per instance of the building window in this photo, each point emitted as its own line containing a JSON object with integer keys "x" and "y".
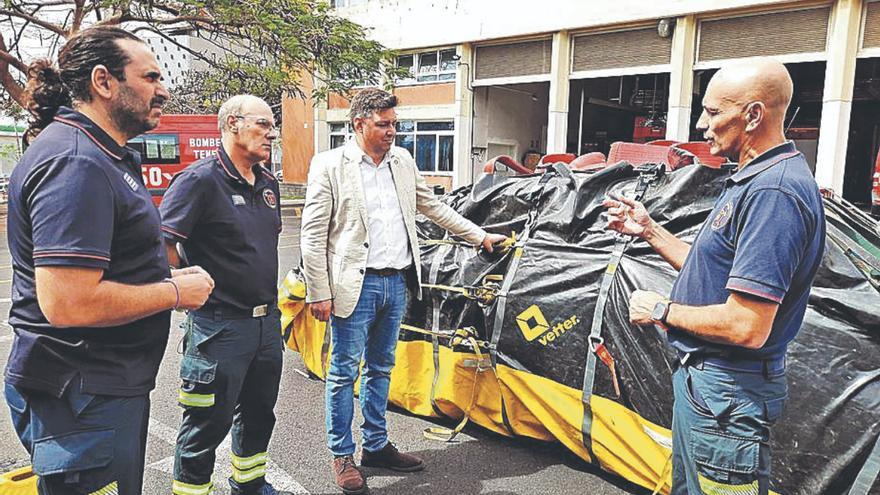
{"x": 430, "y": 143}
{"x": 436, "y": 65}
{"x": 340, "y": 133}
{"x": 157, "y": 149}
{"x": 346, "y": 3}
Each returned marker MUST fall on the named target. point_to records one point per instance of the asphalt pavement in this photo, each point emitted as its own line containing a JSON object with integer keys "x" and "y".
{"x": 478, "y": 462}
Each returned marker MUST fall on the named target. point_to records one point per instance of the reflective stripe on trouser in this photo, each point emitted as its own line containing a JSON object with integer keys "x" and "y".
{"x": 245, "y": 469}
{"x": 111, "y": 489}
{"x": 230, "y": 374}
{"x": 181, "y": 488}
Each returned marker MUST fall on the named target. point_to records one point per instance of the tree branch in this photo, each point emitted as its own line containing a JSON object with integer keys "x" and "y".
{"x": 79, "y": 13}
{"x": 15, "y": 90}
{"x": 39, "y": 22}
{"x": 9, "y": 60}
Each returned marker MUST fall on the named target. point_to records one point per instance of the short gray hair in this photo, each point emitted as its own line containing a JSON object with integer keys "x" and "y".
{"x": 368, "y": 101}
{"x": 233, "y": 107}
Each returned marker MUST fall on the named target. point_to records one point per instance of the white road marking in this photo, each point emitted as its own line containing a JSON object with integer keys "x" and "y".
{"x": 5, "y": 300}
{"x": 222, "y": 465}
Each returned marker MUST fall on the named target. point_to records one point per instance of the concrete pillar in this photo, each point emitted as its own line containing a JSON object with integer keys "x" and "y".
{"x": 681, "y": 78}
{"x": 840, "y": 75}
{"x": 560, "y": 69}
{"x": 322, "y": 129}
{"x": 462, "y": 118}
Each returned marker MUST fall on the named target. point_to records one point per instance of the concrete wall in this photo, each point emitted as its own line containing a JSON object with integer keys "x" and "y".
{"x": 297, "y": 136}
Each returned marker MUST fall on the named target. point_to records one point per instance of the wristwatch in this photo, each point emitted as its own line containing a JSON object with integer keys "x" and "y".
{"x": 661, "y": 311}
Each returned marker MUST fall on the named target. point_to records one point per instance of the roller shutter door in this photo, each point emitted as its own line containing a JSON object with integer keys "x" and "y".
{"x": 777, "y": 33}
{"x": 527, "y": 58}
{"x": 620, "y": 49}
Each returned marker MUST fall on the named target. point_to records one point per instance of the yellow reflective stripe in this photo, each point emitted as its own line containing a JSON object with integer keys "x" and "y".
{"x": 181, "y": 488}
{"x": 245, "y": 463}
{"x": 710, "y": 487}
{"x": 111, "y": 489}
{"x": 195, "y": 400}
{"x": 243, "y": 476}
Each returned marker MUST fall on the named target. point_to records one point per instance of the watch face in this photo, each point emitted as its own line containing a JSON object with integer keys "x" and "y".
{"x": 659, "y": 311}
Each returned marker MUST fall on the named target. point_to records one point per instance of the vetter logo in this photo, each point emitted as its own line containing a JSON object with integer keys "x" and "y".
{"x": 533, "y": 325}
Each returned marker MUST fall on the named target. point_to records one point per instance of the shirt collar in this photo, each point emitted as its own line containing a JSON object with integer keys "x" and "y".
{"x": 232, "y": 173}
{"x": 108, "y": 145}
{"x": 763, "y": 161}
{"x": 354, "y": 152}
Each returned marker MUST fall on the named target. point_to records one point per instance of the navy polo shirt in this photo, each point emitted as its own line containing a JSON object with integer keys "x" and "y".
{"x": 765, "y": 237}
{"x": 228, "y": 227}
{"x": 78, "y": 199}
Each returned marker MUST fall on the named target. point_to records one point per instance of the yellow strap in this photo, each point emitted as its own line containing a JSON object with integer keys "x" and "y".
{"x": 443, "y": 434}
{"x": 662, "y": 480}
{"x": 461, "y": 290}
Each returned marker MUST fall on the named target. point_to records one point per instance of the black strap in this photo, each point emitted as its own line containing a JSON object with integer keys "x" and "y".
{"x": 647, "y": 175}
{"x": 869, "y": 472}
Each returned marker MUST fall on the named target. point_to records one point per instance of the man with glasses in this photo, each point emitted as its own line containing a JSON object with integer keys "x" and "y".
{"x": 224, "y": 212}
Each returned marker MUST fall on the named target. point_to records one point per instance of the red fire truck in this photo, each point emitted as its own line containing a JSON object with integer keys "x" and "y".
{"x": 176, "y": 142}
{"x": 875, "y": 189}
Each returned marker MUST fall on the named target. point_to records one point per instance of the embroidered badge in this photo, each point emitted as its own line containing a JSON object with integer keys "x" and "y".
{"x": 237, "y": 200}
{"x": 130, "y": 181}
{"x": 269, "y": 198}
{"x": 722, "y": 217}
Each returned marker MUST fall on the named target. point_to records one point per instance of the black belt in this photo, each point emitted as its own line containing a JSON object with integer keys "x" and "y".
{"x": 767, "y": 367}
{"x": 222, "y": 312}
{"x": 384, "y": 272}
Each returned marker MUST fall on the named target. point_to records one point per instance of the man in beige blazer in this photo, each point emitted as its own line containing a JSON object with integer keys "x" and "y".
{"x": 358, "y": 243}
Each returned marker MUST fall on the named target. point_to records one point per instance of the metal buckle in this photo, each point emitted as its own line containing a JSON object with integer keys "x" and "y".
{"x": 261, "y": 310}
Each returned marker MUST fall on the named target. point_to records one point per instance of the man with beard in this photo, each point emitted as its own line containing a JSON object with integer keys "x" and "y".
{"x": 742, "y": 287}
{"x": 91, "y": 288}
{"x": 224, "y": 211}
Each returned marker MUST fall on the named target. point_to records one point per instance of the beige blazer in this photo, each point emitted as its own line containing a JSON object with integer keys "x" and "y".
{"x": 334, "y": 223}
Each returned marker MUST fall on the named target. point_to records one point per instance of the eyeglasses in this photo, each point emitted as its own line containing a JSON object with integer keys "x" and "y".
{"x": 262, "y": 122}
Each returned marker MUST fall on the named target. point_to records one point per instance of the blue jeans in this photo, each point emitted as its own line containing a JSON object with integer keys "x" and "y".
{"x": 82, "y": 443}
{"x": 721, "y": 429}
{"x": 369, "y": 333}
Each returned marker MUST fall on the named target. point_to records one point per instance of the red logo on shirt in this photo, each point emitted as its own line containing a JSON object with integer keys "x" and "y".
{"x": 269, "y": 198}
{"x": 722, "y": 217}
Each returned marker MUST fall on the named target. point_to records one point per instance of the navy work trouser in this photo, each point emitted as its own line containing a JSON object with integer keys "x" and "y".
{"x": 82, "y": 443}
{"x": 230, "y": 371}
{"x": 721, "y": 429}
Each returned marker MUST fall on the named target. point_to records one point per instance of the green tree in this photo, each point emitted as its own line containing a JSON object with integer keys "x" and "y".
{"x": 265, "y": 47}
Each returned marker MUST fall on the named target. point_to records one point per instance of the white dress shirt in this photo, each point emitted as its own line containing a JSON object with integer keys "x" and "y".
{"x": 389, "y": 243}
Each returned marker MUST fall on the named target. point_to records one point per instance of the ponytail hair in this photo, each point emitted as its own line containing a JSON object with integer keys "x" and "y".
{"x": 49, "y": 88}
{"x": 45, "y": 94}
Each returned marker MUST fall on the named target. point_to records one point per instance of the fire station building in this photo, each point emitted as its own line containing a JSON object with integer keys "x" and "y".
{"x": 518, "y": 77}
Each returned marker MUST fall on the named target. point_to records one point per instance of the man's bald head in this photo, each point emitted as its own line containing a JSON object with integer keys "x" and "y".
{"x": 759, "y": 80}
{"x": 744, "y": 109}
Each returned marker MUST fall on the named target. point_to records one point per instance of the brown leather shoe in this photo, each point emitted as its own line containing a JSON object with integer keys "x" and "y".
{"x": 348, "y": 476}
{"x": 389, "y": 457}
